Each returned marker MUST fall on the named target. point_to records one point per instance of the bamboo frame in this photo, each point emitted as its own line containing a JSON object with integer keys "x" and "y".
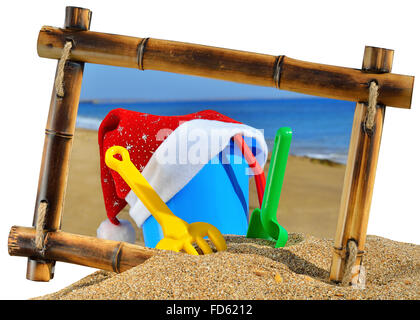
{"x": 360, "y": 172}
{"x": 82, "y": 250}
{"x": 253, "y": 68}
{"x": 225, "y": 64}
{"x": 57, "y": 146}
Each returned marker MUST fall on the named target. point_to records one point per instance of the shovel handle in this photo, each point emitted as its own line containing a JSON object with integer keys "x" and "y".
{"x": 143, "y": 190}
{"x": 259, "y": 175}
{"x": 276, "y": 175}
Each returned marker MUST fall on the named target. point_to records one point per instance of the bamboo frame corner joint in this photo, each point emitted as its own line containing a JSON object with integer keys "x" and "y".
{"x": 245, "y": 67}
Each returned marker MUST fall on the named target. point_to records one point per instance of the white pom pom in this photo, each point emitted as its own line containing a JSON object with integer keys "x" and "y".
{"x": 123, "y": 232}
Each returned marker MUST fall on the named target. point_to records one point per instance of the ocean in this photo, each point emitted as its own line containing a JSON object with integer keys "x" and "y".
{"x": 321, "y": 127}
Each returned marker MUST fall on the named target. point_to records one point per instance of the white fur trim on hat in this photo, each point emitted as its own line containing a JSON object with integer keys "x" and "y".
{"x": 123, "y": 232}
{"x": 168, "y": 177}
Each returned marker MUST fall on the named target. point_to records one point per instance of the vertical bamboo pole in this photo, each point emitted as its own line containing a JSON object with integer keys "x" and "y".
{"x": 58, "y": 141}
{"x": 360, "y": 172}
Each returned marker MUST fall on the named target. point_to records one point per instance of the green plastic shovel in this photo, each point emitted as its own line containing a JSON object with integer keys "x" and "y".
{"x": 263, "y": 223}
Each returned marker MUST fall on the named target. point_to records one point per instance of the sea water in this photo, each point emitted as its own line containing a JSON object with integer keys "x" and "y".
{"x": 321, "y": 127}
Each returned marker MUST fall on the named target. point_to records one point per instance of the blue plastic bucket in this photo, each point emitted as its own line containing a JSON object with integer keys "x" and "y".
{"x": 218, "y": 195}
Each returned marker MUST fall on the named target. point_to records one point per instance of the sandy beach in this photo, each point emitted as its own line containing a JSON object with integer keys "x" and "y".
{"x": 309, "y": 202}
{"x": 253, "y": 269}
{"x": 250, "y": 268}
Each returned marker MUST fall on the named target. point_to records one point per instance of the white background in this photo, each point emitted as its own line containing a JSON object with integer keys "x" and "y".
{"x": 331, "y": 32}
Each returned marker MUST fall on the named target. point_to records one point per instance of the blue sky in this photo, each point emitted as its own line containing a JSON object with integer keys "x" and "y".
{"x": 105, "y": 82}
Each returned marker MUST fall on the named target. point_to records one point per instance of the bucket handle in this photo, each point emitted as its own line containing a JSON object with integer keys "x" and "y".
{"x": 259, "y": 175}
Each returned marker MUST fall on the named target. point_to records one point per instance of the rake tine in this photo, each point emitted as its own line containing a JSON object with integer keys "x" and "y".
{"x": 217, "y": 238}
{"x": 203, "y": 245}
{"x": 189, "y": 248}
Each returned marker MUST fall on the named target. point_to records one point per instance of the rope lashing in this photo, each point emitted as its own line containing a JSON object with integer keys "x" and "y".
{"x": 59, "y": 80}
{"x": 371, "y": 109}
{"x": 40, "y": 224}
{"x": 352, "y": 251}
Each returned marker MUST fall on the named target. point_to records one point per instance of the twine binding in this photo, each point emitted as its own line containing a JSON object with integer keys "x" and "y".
{"x": 371, "y": 109}
{"x": 59, "y": 80}
{"x": 351, "y": 259}
{"x": 40, "y": 224}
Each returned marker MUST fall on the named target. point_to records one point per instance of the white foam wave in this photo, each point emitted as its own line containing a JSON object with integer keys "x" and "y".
{"x": 88, "y": 123}
{"x": 335, "y": 157}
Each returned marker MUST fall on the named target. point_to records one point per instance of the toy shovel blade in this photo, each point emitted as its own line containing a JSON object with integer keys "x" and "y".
{"x": 263, "y": 223}
{"x": 256, "y": 230}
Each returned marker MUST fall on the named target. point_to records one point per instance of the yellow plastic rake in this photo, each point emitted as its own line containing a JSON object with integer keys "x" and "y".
{"x": 177, "y": 234}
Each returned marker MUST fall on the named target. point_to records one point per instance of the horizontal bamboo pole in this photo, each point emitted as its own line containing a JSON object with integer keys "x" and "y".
{"x": 82, "y": 250}
{"x": 225, "y": 64}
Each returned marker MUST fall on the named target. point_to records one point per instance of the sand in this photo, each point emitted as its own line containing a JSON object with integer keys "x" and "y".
{"x": 253, "y": 269}
{"x": 250, "y": 268}
{"x": 309, "y": 202}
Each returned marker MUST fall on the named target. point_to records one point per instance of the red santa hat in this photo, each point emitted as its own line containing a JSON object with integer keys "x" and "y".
{"x": 164, "y": 149}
